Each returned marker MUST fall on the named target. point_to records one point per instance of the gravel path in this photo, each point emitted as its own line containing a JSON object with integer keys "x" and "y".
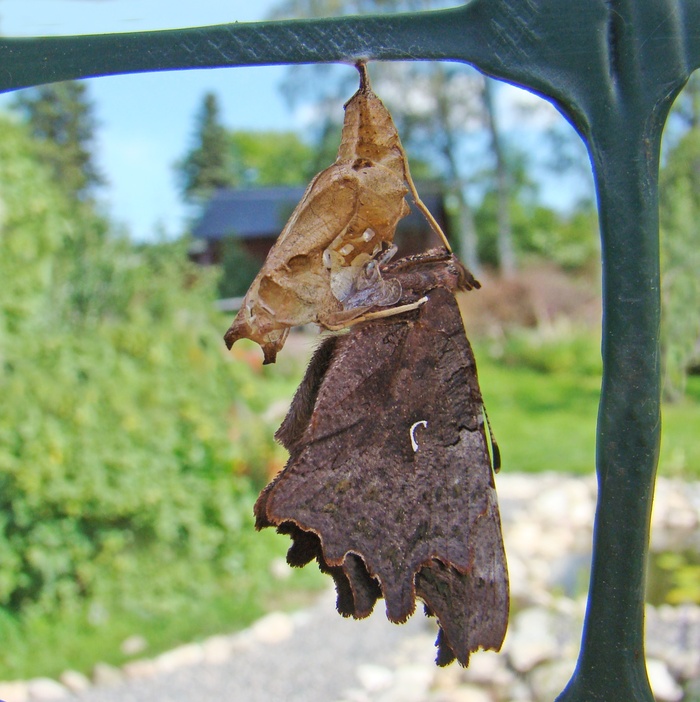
{"x": 318, "y": 662}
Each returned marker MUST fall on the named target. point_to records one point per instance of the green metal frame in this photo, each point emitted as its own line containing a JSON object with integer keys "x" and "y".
{"x": 613, "y": 68}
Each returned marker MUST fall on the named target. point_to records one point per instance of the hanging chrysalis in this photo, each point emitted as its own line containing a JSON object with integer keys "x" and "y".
{"x": 325, "y": 265}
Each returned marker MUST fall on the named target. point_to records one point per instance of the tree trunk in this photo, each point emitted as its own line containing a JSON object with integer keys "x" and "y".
{"x": 504, "y": 235}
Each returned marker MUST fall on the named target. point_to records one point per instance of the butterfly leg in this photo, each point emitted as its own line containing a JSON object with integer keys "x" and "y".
{"x": 379, "y": 314}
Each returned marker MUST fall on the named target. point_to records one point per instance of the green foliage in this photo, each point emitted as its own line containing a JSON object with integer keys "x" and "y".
{"x": 674, "y": 577}
{"x": 119, "y": 484}
{"x": 220, "y": 158}
{"x": 238, "y": 267}
{"x": 60, "y": 116}
{"x": 94, "y": 630}
{"x": 533, "y": 412}
{"x": 270, "y": 158}
{"x": 680, "y": 262}
{"x": 569, "y": 240}
{"x": 557, "y": 348}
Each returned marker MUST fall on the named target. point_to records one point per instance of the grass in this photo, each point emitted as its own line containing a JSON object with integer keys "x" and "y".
{"x": 546, "y": 421}
{"x": 542, "y": 422}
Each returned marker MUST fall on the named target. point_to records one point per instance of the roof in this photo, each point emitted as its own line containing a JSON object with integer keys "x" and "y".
{"x": 263, "y": 212}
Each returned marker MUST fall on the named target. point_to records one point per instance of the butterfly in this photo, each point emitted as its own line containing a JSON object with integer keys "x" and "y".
{"x": 390, "y": 480}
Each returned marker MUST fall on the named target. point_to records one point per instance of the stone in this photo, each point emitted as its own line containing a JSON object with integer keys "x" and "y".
{"x": 45, "y": 689}
{"x": 411, "y": 683}
{"x": 569, "y": 574}
{"x": 568, "y": 502}
{"x": 520, "y": 692}
{"x": 105, "y": 674}
{"x": 488, "y": 668}
{"x": 449, "y": 677}
{"x": 465, "y": 693}
{"x": 143, "y": 668}
{"x": 273, "y": 628}
{"x": 280, "y": 569}
{"x": 549, "y": 679}
{"x": 180, "y": 657}
{"x": 374, "y": 678}
{"x": 74, "y": 681}
{"x": 531, "y": 639}
{"x": 133, "y": 645}
{"x": 217, "y": 649}
{"x": 684, "y": 664}
{"x": 354, "y": 695}
{"x": 242, "y": 641}
{"x": 524, "y": 538}
{"x": 665, "y": 688}
{"x": 520, "y": 585}
{"x": 672, "y": 509}
{"x": 15, "y": 691}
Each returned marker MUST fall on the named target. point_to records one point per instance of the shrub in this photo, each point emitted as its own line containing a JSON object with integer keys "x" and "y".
{"x": 118, "y": 479}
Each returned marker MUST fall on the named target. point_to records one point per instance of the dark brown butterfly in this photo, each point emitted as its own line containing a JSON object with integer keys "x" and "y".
{"x": 389, "y": 484}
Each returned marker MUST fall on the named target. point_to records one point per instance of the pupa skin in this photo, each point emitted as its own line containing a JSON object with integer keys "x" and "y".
{"x": 325, "y": 265}
{"x": 389, "y": 485}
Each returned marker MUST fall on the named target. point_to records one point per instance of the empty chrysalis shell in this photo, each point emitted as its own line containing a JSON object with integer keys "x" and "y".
{"x": 322, "y": 267}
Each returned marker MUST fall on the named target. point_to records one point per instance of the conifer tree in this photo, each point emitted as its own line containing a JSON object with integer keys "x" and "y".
{"x": 61, "y": 117}
{"x": 205, "y": 168}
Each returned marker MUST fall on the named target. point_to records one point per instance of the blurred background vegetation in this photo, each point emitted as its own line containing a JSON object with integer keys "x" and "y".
{"x": 132, "y": 444}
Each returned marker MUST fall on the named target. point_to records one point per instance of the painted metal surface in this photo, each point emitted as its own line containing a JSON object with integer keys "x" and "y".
{"x": 613, "y": 68}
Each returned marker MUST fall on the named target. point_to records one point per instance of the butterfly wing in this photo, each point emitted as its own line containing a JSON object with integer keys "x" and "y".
{"x": 389, "y": 485}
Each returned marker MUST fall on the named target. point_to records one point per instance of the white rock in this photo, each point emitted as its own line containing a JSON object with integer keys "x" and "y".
{"x": 273, "y": 628}
{"x": 301, "y": 618}
{"x": 519, "y": 692}
{"x": 411, "y": 684}
{"x": 683, "y": 664}
{"x": 488, "y": 668}
{"x": 524, "y": 538}
{"x": 520, "y": 586}
{"x": 133, "y": 645}
{"x": 672, "y": 508}
{"x": 243, "y": 640}
{"x": 74, "y": 681}
{"x": 531, "y": 639}
{"x": 45, "y": 689}
{"x": 374, "y": 678}
{"x": 217, "y": 649}
{"x": 665, "y": 688}
{"x": 419, "y": 648}
{"x": 15, "y": 691}
{"x": 568, "y": 502}
{"x": 180, "y": 657}
{"x": 139, "y": 669}
{"x": 449, "y": 677}
{"x": 355, "y": 695}
{"x": 519, "y": 488}
{"x": 280, "y": 569}
{"x": 105, "y": 674}
{"x": 549, "y": 679}
{"x": 466, "y": 693}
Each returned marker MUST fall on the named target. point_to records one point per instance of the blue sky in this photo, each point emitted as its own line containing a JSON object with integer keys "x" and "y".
{"x": 146, "y": 120}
